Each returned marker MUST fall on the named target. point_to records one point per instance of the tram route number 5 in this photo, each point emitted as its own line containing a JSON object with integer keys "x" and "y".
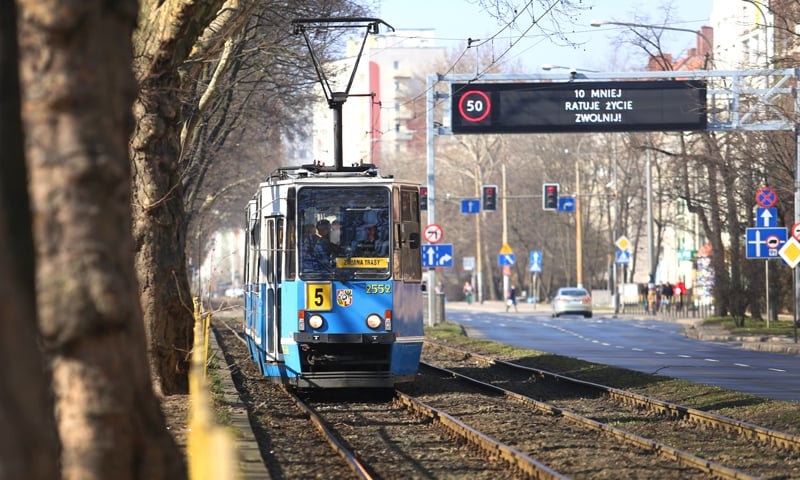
{"x": 318, "y": 297}
{"x": 474, "y": 106}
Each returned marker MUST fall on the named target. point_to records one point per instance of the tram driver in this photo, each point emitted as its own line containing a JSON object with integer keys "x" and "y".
{"x": 318, "y": 251}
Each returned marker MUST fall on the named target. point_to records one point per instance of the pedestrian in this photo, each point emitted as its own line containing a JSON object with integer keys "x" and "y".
{"x": 512, "y": 298}
{"x": 468, "y": 292}
{"x": 651, "y": 300}
{"x": 680, "y": 291}
{"x": 666, "y": 296}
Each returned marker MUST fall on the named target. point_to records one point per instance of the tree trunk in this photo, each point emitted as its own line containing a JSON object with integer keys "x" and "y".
{"x": 29, "y": 444}
{"x": 162, "y": 43}
{"x": 76, "y": 59}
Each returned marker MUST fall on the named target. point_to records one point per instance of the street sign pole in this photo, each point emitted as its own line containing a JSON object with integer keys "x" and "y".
{"x": 796, "y": 219}
{"x": 431, "y": 286}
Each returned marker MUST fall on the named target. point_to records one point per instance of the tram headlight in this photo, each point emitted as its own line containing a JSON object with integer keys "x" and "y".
{"x": 315, "y": 321}
{"x": 374, "y": 321}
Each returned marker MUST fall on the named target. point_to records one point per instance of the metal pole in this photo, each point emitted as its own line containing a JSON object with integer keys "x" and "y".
{"x": 766, "y": 274}
{"x": 578, "y": 226}
{"x": 478, "y": 244}
{"x": 431, "y": 287}
{"x": 796, "y": 212}
{"x": 650, "y": 253}
{"x": 616, "y": 227}
{"x": 506, "y": 279}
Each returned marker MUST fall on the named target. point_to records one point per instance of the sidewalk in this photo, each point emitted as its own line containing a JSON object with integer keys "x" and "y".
{"x": 251, "y": 465}
{"x": 692, "y": 326}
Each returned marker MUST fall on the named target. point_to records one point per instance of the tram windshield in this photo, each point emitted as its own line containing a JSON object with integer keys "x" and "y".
{"x": 344, "y": 233}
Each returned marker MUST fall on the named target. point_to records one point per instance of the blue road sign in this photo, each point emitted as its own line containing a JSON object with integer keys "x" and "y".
{"x": 765, "y": 242}
{"x": 766, "y": 217}
{"x": 535, "y": 261}
{"x": 566, "y": 204}
{"x": 766, "y": 197}
{"x": 623, "y": 257}
{"x": 439, "y": 255}
{"x": 506, "y": 259}
{"x": 471, "y": 205}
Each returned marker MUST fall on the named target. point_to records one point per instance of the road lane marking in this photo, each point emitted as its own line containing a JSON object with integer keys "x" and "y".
{"x": 741, "y": 364}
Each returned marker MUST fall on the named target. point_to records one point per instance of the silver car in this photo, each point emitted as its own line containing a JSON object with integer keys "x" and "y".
{"x": 572, "y": 300}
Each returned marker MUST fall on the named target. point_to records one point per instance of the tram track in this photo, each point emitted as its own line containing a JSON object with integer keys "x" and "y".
{"x": 742, "y": 446}
{"x": 449, "y": 424}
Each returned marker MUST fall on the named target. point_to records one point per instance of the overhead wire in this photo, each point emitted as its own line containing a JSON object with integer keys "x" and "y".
{"x": 495, "y": 61}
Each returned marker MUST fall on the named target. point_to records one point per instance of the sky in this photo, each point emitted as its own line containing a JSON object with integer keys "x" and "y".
{"x": 457, "y": 20}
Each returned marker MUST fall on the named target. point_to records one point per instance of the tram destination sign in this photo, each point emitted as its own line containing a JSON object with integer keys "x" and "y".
{"x": 542, "y": 107}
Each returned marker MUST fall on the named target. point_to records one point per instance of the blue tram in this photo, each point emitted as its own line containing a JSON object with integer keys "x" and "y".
{"x": 332, "y": 278}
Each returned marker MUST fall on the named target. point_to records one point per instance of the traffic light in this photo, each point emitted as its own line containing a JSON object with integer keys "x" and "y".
{"x": 489, "y": 198}
{"x": 550, "y": 196}
{"x": 423, "y": 198}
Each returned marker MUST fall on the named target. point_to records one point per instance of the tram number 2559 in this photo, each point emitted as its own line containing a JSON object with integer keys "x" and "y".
{"x": 379, "y": 288}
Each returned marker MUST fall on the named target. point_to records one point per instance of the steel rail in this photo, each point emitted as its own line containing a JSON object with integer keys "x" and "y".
{"x": 748, "y": 430}
{"x": 661, "y": 449}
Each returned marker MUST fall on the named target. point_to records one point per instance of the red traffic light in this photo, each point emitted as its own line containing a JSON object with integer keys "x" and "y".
{"x": 489, "y": 198}
{"x": 550, "y": 196}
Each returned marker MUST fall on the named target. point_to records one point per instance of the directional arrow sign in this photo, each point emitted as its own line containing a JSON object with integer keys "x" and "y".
{"x": 766, "y": 217}
{"x": 505, "y": 259}
{"x": 440, "y": 255}
{"x": 536, "y": 261}
{"x": 471, "y": 205}
{"x": 566, "y": 204}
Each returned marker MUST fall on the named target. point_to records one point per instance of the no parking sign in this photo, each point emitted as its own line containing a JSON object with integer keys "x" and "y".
{"x": 766, "y": 197}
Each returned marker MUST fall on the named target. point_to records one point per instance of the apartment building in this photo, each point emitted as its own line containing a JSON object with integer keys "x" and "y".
{"x": 377, "y": 120}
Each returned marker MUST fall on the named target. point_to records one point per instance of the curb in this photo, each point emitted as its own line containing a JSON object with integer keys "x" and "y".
{"x": 251, "y": 465}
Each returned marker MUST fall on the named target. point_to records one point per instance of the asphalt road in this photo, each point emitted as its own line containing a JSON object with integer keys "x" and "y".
{"x": 641, "y": 344}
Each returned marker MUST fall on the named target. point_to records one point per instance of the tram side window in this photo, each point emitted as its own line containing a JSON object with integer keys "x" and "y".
{"x": 255, "y": 238}
{"x": 291, "y": 236}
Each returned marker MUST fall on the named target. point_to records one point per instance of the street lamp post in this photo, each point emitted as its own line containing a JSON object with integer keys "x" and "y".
{"x": 578, "y": 220}
{"x": 548, "y": 66}
{"x": 708, "y": 55}
{"x": 709, "y": 46}
{"x": 651, "y": 264}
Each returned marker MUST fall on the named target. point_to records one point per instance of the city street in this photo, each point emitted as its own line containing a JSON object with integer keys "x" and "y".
{"x": 649, "y": 345}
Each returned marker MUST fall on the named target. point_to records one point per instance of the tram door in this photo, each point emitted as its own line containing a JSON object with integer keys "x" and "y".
{"x": 408, "y": 264}
{"x": 271, "y": 273}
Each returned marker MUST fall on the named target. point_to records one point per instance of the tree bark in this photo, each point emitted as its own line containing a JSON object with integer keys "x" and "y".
{"x": 29, "y": 444}
{"x": 76, "y": 67}
{"x": 166, "y": 34}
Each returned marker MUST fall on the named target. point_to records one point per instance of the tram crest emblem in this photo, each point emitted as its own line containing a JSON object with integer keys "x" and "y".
{"x": 344, "y": 297}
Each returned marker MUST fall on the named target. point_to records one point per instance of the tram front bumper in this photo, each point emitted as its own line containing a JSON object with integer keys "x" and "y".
{"x": 338, "y": 338}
